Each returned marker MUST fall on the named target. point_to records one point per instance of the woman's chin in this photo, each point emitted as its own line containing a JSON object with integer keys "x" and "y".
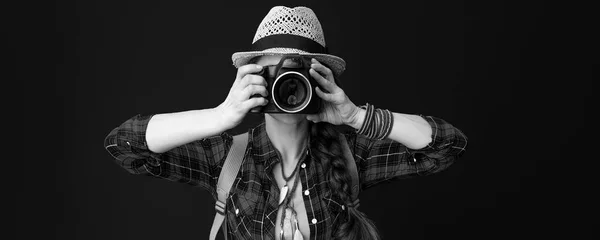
{"x": 288, "y": 118}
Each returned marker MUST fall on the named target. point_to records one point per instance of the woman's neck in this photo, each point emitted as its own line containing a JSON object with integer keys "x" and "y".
{"x": 289, "y": 138}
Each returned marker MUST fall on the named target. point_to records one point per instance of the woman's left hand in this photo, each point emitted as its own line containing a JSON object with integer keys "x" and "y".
{"x": 337, "y": 107}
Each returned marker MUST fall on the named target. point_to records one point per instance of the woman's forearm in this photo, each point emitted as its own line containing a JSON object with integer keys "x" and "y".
{"x": 412, "y": 131}
{"x": 170, "y": 130}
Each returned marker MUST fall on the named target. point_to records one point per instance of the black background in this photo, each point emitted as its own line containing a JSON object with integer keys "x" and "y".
{"x": 514, "y": 77}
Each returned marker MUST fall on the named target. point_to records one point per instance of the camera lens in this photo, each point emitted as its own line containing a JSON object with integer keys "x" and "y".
{"x": 291, "y": 92}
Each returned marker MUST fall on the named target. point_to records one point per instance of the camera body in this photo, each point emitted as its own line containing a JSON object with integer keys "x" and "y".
{"x": 290, "y": 87}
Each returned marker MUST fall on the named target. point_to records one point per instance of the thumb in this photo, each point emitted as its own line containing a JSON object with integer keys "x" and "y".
{"x": 313, "y": 117}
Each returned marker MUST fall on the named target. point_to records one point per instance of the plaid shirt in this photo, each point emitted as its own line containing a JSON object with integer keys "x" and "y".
{"x": 252, "y": 203}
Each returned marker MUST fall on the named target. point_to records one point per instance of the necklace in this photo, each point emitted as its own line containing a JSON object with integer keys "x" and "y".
{"x": 284, "y": 190}
{"x": 287, "y": 179}
{"x": 290, "y": 229}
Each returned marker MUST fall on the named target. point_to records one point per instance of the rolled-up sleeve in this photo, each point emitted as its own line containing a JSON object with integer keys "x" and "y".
{"x": 197, "y": 163}
{"x": 383, "y": 160}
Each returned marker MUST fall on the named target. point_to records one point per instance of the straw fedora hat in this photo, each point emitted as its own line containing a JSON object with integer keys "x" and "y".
{"x": 290, "y": 30}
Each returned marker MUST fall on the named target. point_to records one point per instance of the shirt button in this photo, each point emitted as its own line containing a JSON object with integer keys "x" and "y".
{"x": 306, "y": 192}
{"x": 237, "y": 211}
{"x": 303, "y": 165}
{"x": 314, "y": 221}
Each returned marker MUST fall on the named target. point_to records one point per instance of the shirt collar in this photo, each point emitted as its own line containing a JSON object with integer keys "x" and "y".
{"x": 262, "y": 148}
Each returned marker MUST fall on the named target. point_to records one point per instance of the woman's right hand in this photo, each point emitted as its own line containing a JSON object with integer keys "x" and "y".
{"x": 239, "y": 101}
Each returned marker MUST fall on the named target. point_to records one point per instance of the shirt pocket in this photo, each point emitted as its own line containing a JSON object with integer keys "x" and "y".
{"x": 241, "y": 209}
{"x": 245, "y": 199}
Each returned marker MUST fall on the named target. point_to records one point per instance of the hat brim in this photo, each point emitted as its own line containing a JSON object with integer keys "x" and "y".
{"x": 335, "y": 63}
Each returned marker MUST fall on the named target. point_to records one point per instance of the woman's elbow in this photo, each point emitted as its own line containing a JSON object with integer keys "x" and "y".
{"x": 121, "y": 153}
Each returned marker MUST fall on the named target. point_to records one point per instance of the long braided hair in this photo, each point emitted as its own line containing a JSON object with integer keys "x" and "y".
{"x": 327, "y": 149}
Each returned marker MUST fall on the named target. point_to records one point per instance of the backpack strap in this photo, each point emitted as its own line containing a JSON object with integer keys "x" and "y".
{"x": 351, "y": 165}
{"x": 226, "y": 178}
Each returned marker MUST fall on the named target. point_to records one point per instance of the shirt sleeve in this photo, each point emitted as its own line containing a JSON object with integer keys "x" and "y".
{"x": 197, "y": 163}
{"x": 384, "y": 160}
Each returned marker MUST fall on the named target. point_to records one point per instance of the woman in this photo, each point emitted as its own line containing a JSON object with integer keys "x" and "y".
{"x": 299, "y": 150}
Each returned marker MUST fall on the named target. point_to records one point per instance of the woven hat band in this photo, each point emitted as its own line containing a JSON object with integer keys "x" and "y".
{"x": 288, "y": 41}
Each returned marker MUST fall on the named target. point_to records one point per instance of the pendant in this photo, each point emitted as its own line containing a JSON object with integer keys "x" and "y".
{"x": 283, "y": 193}
{"x": 297, "y": 233}
{"x": 287, "y": 224}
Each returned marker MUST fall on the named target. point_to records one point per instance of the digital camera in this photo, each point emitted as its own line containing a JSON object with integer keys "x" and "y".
{"x": 290, "y": 87}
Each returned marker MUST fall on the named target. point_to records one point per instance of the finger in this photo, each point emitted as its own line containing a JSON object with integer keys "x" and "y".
{"x": 254, "y": 102}
{"x": 253, "y": 89}
{"x": 257, "y": 80}
{"x": 327, "y": 85}
{"x": 325, "y": 96}
{"x": 252, "y": 79}
{"x": 313, "y": 117}
{"x": 246, "y": 69}
{"x": 325, "y": 71}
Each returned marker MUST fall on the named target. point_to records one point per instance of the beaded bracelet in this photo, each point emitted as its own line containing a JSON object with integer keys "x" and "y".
{"x": 367, "y": 121}
{"x": 377, "y": 124}
{"x": 389, "y": 122}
